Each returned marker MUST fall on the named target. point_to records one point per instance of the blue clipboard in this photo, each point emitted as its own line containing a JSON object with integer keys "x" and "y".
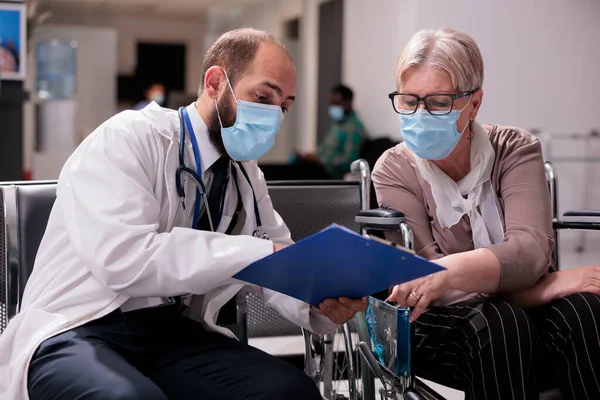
{"x": 336, "y": 262}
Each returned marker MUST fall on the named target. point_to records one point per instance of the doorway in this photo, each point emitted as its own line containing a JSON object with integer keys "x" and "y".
{"x": 151, "y": 65}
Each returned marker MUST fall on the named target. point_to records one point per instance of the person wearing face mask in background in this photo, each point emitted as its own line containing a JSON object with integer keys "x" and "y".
{"x": 495, "y": 324}
{"x": 344, "y": 137}
{"x": 136, "y": 262}
{"x": 153, "y": 92}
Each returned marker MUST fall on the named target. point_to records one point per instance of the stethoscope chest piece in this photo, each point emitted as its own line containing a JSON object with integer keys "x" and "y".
{"x": 258, "y": 234}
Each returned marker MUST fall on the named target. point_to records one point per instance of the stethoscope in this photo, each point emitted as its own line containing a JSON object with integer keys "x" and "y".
{"x": 185, "y": 125}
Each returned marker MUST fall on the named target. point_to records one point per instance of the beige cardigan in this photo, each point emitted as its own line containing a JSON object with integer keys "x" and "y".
{"x": 522, "y": 197}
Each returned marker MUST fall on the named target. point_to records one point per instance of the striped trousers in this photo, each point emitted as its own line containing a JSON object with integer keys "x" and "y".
{"x": 495, "y": 350}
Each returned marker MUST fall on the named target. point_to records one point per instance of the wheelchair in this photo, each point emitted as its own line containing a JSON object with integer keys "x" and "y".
{"x": 398, "y": 381}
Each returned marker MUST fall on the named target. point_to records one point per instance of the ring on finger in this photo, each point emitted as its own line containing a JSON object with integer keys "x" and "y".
{"x": 415, "y": 296}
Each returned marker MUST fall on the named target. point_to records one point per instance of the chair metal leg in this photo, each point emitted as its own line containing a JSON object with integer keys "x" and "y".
{"x": 328, "y": 364}
{"x": 12, "y": 253}
{"x": 242, "y": 317}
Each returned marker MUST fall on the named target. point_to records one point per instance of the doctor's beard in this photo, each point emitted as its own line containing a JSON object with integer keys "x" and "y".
{"x": 228, "y": 116}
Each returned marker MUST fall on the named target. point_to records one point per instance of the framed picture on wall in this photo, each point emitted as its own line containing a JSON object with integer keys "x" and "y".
{"x": 13, "y": 51}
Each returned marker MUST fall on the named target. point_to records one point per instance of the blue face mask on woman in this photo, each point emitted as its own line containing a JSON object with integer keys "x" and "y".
{"x": 253, "y": 133}
{"x": 431, "y": 137}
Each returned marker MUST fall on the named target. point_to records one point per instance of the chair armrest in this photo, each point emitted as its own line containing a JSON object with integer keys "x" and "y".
{"x": 382, "y": 219}
{"x": 580, "y": 219}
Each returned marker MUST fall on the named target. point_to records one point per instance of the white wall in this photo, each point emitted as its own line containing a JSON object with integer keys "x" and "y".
{"x": 541, "y": 70}
{"x": 541, "y": 57}
{"x": 96, "y": 85}
{"x": 127, "y": 29}
{"x": 373, "y": 35}
{"x": 132, "y": 28}
{"x": 270, "y": 15}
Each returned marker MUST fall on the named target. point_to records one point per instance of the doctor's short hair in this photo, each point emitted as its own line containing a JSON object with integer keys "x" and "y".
{"x": 235, "y": 50}
{"x": 454, "y": 52}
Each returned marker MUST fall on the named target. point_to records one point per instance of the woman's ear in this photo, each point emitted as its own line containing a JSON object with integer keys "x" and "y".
{"x": 476, "y": 99}
{"x": 212, "y": 81}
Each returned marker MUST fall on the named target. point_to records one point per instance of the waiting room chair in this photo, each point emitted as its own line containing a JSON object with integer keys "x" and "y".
{"x": 306, "y": 206}
{"x": 294, "y": 172}
{"x": 24, "y": 211}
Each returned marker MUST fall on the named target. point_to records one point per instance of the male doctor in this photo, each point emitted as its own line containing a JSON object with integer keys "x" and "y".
{"x": 124, "y": 296}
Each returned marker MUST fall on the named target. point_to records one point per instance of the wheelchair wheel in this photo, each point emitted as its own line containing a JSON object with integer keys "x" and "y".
{"x": 339, "y": 382}
{"x": 345, "y": 375}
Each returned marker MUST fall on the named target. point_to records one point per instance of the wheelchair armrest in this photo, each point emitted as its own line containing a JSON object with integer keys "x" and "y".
{"x": 382, "y": 219}
{"x": 580, "y": 219}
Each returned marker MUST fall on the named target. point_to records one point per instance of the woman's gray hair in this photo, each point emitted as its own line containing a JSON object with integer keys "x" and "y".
{"x": 452, "y": 51}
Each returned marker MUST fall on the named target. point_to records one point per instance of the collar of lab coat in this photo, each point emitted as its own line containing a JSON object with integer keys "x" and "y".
{"x": 208, "y": 152}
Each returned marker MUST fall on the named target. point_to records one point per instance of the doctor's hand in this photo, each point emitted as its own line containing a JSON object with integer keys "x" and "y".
{"x": 419, "y": 293}
{"x": 278, "y": 246}
{"x": 341, "y": 310}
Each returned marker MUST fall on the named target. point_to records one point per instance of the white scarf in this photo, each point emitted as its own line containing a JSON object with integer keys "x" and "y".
{"x": 476, "y": 186}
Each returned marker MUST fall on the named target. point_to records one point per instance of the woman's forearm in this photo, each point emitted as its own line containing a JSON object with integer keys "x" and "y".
{"x": 478, "y": 271}
{"x": 541, "y": 293}
{"x": 475, "y": 271}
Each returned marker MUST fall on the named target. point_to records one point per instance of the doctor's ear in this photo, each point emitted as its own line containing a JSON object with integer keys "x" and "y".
{"x": 214, "y": 79}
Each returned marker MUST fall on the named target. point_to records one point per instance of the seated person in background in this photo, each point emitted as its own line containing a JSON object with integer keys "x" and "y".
{"x": 477, "y": 200}
{"x": 93, "y": 322}
{"x": 344, "y": 137}
{"x": 153, "y": 92}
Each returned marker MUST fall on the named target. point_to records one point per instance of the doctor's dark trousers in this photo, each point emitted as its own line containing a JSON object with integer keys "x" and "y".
{"x": 157, "y": 354}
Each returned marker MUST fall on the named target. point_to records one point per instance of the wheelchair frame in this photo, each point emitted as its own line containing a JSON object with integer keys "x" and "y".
{"x": 398, "y": 387}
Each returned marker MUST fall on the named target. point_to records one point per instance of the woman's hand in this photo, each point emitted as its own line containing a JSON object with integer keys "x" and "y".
{"x": 577, "y": 280}
{"x": 558, "y": 285}
{"x": 420, "y": 292}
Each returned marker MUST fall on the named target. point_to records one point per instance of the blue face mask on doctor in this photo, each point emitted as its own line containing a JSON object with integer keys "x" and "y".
{"x": 253, "y": 133}
{"x": 431, "y": 137}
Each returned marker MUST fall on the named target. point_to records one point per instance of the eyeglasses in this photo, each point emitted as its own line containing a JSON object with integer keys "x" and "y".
{"x": 436, "y": 104}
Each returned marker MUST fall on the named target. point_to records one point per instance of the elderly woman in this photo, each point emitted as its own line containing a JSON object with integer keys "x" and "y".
{"x": 495, "y": 322}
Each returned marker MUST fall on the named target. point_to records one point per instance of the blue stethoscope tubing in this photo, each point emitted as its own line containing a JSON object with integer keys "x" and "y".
{"x": 185, "y": 122}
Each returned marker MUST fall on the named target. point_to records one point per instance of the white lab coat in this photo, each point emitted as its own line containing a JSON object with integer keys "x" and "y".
{"x": 117, "y": 231}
